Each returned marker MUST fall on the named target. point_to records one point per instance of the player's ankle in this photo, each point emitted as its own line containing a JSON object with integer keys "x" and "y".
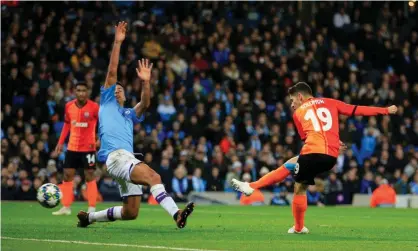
{"x": 175, "y": 215}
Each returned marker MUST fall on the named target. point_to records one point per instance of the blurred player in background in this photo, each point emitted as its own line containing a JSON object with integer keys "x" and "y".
{"x": 116, "y": 137}
{"x": 316, "y": 120}
{"x": 80, "y": 122}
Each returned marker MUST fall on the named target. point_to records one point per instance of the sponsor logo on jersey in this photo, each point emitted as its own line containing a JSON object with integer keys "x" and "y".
{"x": 81, "y": 124}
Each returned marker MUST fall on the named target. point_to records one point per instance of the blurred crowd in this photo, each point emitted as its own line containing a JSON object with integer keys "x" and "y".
{"x": 221, "y": 72}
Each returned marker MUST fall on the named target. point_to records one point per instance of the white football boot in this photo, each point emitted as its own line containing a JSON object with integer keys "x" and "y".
{"x": 292, "y": 230}
{"x": 91, "y": 210}
{"x": 243, "y": 187}
{"x": 63, "y": 211}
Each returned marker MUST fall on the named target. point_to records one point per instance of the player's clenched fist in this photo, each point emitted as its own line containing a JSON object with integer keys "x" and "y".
{"x": 120, "y": 31}
{"x": 144, "y": 70}
{"x": 343, "y": 146}
{"x": 393, "y": 109}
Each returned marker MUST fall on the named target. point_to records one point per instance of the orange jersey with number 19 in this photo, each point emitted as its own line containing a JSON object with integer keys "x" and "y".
{"x": 317, "y": 123}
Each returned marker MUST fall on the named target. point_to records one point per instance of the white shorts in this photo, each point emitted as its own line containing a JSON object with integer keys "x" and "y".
{"x": 120, "y": 164}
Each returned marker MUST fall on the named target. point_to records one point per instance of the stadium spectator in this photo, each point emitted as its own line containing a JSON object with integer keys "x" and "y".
{"x": 233, "y": 173}
{"x": 368, "y": 145}
{"x": 26, "y": 191}
{"x": 199, "y": 185}
{"x": 180, "y": 184}
{"x": 414, "y": 184}
{"x": 333, "y": 189}
{"x": 215, "y": 182}
{"x": 367, "y": 184}
{"x": 315, "y": 198}
{"x": 280, "y": 199}
{"x": 109, "y": 189}
{"x": 8, "y": 189}
{"x": 402, "y": 186}
{"x": 351, "y": 185}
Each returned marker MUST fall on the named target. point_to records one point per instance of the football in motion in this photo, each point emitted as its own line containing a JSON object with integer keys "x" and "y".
{"x": 49, "y": 195}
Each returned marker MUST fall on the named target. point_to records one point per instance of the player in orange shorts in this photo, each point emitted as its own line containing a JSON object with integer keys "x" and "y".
{"x": 316, "y": 120}
{"x": 81, "y": 115}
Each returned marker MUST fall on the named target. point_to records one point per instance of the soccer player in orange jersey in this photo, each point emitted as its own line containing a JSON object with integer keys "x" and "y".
{"x": 316, "y": 120}
{"x": 81, "y": 116}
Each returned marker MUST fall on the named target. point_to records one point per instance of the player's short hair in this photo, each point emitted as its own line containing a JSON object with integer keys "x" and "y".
{"x": 300, "y": 87}
{"x": 120, "y": 84}
{"x": 81, "y": 83}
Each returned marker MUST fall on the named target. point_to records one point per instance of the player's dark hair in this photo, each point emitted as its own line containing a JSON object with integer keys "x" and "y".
{"x": 118, "y": 83}
{"x": 300, "y": 87}
{"x": 82, "y": 83}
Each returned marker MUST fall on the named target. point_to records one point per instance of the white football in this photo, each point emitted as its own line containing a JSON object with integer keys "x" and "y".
{"x": 49, "y": 195}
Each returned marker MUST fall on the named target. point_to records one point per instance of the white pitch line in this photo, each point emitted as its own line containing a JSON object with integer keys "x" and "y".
{"x": 106, "y": 244}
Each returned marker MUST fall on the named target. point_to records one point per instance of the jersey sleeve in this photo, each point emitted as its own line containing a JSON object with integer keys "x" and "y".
{"x": 107, "y": 94}
{"x": 298, "y": 125}
{"x": 67, "y": 124}
{"x": 135, "y": 118}
{"x": 67, "y": 118}
{"x": 357, "y": 110}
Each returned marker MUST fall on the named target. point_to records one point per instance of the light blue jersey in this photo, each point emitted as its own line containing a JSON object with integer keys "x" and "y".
{"x": 115, "y": 124}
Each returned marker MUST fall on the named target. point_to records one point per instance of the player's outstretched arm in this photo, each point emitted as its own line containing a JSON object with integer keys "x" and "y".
{"x": 112, "y": 71}
{"x": 144, "y": 73}
{"x": 357, "y": 110}
{"x": 64, "y": 133}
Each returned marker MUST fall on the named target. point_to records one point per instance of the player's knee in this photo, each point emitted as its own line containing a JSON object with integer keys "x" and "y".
{"x": 130, "y": 214}
{"x": 290, "y": 166}
{"x": 68, "y": 175}
{"x": 155, "y": 178}
{"x": 300, "y": 189}
{"x": 89, "y": 173}
{"x": 300, "y": 192}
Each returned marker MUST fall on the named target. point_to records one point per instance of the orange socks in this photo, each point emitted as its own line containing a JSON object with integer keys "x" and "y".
{"x": 299, "y": 206}
{"x": 271, "y": 178}
{"x": 67, "y": 193}
{"x": 92, "y": 193}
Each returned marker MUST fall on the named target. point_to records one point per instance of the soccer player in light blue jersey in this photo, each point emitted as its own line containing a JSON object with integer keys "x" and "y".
{"x": 116, "y": 150}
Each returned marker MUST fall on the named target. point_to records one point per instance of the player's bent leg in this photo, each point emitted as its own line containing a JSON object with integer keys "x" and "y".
{"x": 299, "y": 206}
{"x": 92, "y": 190}
{"x": 300, "y": 189}
{"x": 273, "y": 177}
{"x": 130, "y": 209}
{"x": 67, "y": 192}
{"x": 144, "y": 175}
{"x": 131, "y": 195}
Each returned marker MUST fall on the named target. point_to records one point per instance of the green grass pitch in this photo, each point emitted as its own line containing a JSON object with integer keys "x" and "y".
{"x": 28, "y": 226}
